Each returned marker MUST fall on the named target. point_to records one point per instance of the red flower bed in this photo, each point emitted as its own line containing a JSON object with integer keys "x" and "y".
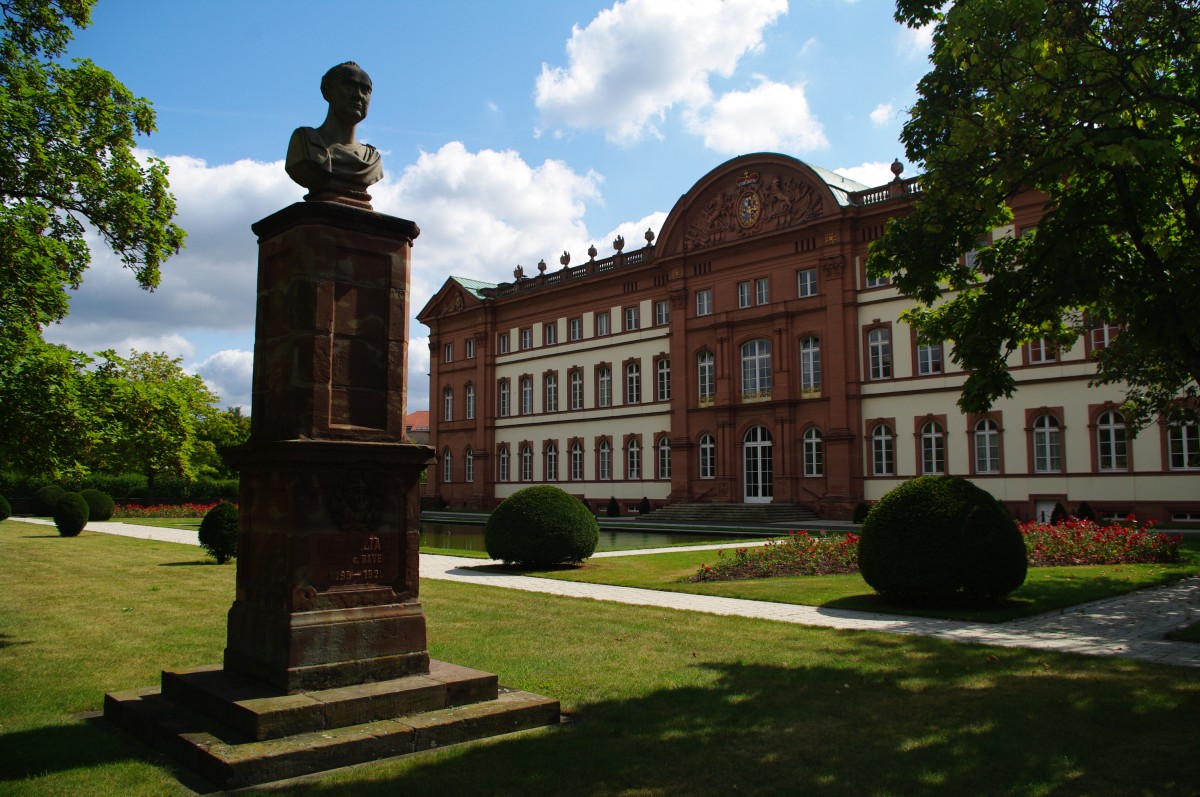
{"x": 1084, "y": 542}
{"x": 798, "y": 555}
{"x": 164, "y": 510}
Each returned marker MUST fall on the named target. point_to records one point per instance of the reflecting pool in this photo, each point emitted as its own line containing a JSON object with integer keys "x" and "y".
{"x": 470, "y": 538}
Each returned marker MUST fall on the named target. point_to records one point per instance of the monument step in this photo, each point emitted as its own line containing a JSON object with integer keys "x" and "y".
{"x": 231, "y": 760}
{"x": 260, "y": 711}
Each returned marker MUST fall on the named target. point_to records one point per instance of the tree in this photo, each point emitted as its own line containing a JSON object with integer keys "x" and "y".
{"x": 149, "y": 409}
{"x": 1095, "y": 104}
{"x": 68, "y": 161}
{"x": 48, "y": 423}
{"x": 217, "y": 429}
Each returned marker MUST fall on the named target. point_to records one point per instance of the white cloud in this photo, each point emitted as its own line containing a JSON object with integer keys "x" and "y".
{"x": 770, "y": 117}
{"x": 869, "y": 174}
{"x": 916, "y": 43}
{"x": 228, "y": 373}
{"x": 638, "y": 59}
{"x": 883, "y": 114}
{"x": 634, "y": 233}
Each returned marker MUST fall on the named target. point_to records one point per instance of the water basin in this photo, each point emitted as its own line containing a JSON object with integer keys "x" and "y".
{"x": 464, "y": 537}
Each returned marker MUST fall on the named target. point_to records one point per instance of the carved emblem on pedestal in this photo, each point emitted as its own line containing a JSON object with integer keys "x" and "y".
{"x": 354, "y": 503}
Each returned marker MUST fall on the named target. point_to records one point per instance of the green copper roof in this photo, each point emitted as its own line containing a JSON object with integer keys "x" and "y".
{"x": 474, "y": 287}
{"x": 841, "y": 186}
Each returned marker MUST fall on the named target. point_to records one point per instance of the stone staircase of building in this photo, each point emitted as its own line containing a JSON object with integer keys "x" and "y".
{"x": 734, "y": 514}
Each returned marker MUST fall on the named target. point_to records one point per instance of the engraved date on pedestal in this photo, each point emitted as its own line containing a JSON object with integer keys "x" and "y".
{"x": 352, "y": 559}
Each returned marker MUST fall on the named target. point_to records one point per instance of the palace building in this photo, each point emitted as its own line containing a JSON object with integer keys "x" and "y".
{"x": 744, "y": 356}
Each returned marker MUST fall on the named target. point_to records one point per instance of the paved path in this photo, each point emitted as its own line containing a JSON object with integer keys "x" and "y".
{"x": 1130, "y": 625}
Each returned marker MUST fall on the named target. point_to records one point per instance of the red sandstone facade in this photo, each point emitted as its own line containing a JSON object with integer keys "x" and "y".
{"x": 745, "y": 356}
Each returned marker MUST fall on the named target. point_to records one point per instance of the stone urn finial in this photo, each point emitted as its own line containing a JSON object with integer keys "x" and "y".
{"x": 897, "y": 168}
{"x": 565, "y": 258}
{"x": 592, "y": 251}
{"x": 542, "y": 266}
{"x": 649, "y": 236}
{"x": 619, "y": 243}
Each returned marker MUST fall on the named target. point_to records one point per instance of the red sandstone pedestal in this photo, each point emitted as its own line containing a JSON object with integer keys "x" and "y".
{"x": 326, "y": 661}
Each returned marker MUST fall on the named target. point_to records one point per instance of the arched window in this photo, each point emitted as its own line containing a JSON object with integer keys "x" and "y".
{"x": 470, "y": 402}
{"x": 526, "y": 396}
{"x": 810, "y": 367}
{"x": 551, "y": 392}
{"x": 883, "y": 451}
{"x": 987, "y": 446}
{"x": 933, "y": 448}
{"x": 502, "y": 464}
{"x": 664, "y": 458}
{"x": 633, "y": 383}
{"x": 1047, "y": 445}
{"x": 447, "y": 467}
{"x": 708, "y": 457}
{"x": 469, "y": 465}
{"x": 759, "y": 466}
{"x": 633, "y": 460}
{"x": 576, "y": 390}
{"x": 756, "y": 370}
{"x": 505, "y": 400}
{"x": 604, "y": 387}
{"x": 526, "y": 464}
{"x": 551, "y": 474}
{"x": 1112, "y": 447}
{"x": 448, "y": 404}
{"x": 605, "y": 460}
{"x": 814, "y": 453}
{"x": 662, "y": 380}
{"x": 576, "y": 461}
{"x": 706, "y": 383}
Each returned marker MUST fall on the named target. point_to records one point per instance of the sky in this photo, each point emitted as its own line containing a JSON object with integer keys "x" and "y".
{"x": 510, "y": 132}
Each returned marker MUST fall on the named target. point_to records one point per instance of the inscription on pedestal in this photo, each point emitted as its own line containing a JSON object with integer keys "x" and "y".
{"x": 357, "y": 559}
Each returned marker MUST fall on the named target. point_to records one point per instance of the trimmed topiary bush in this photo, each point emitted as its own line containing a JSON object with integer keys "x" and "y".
{"x": 541, "y": 526}
{"x": 45, "y": 499}
{"x": 1058, "y": 514}
{"x": 100, "y": 505}
{"x": 644, "y": 507}
{"x": 614, "y": 509}
{"x": 5, "y": 508}
{"x": 1085, "y": 512}
{"x": 219, "y": 532}
{"x": 70, "y": 514}
{"x": 941, "y": 540}
{"x": 860, "y": 512}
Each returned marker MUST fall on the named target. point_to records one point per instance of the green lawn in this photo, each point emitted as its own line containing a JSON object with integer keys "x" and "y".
{"x": 1045, "y": 588}
{"x": 662, "y": 703}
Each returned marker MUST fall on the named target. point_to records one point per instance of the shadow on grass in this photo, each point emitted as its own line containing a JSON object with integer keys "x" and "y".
{"x": 921, "y": 727}
{"x": 7, "y": 641}
{"x": 194, "y": 563}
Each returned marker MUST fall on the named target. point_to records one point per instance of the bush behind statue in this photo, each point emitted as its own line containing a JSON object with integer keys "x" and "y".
{"x": 941, "y": 540}
{"x": 541, "y": 526}
{"x": 46, "y": 498}
{"x": 100, "y": 504}
{"x": 5, "y": 508}
{"x": 70, "y": 514}
{"x": 219, "y": 532}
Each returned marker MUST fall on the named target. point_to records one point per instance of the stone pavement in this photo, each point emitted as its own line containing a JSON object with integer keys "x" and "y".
{"x": 1130, "y": 625}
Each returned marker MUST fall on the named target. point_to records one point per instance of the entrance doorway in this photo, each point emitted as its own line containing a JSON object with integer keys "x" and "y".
{"x": 759, "y": 471}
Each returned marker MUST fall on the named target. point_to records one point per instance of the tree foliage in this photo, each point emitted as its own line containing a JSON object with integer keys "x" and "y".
{"x": 68, "y": 161}
{"x": 1095, "y": 104}
{"x": 217, "y": 429}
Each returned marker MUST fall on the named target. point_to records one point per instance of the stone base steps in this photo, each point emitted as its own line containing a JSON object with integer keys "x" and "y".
{"x": 236, "y": 731}
{"x": 734, "y": 514}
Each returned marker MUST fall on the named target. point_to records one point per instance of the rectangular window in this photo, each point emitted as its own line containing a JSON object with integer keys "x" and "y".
{"x": 662, "y": 313}
{"x": 762, "y": 290}
{"x": 575, "y": 329}
{"x": 550, "y": 334}
{"x": 877, "y": 282}
{"x": 470, "y": 402}
{"x": 526, "y": 338}
{"x": 929, "y": 359}
{"x": 806, "y": 282}
{"x": 470, "y": 348}
{"x": 448, "y": 353}
{"x": 631, "y": 319}
{"x": 705, "y": 378}
{"x": 603, "y": 322}
{"x": 1041, "y": 351}
{"x": 704, "y": 304}
{"x": 879, "y": 353}
{"x": 502, "y": 342}
{"x": 743, "y": 294}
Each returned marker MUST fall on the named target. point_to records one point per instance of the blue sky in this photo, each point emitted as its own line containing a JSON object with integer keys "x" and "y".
{"x": 510, "y": 131}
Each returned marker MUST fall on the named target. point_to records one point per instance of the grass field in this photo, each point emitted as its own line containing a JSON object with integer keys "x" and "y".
{"x": 661, "y": 702}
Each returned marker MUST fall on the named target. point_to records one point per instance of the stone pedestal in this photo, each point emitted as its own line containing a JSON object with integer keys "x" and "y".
{"x": 325, "y": 661}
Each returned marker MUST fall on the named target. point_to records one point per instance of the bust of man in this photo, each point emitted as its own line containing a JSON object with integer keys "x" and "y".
{"x": 327, "y": 160}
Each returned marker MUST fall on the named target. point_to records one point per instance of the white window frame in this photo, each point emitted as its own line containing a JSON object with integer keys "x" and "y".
{"x": 448, "y": 404}
{"x": 603, "y": 324}
{"x": 664, "y": 458}
{"x": 1112, "y": 442}
{"x": 633, "y": 460}
{"x": 662, "y": 381}
{"x": 550, "y": 334}
{"x": 526, "y": 395}
{"x": 662, "y": 313}
{"x": 470, "y": 402}
{"x": 708, "y": 457}
{"x": 1047, "y": 445}
{"x": 447, "y": 466}
{"x": 883, "y": 451}
{"x": 448, "y": 352}
{"x": 576, "y": 461}
{"x": 706, "y": 382}
{"x": 470, "y": 344}
{"x": 604, "y": 387}
{"x": 551, "y": 474}
{"x": 632, "y": 318}
{"x": 505, "y": 395}
{"x": 929, "y": 359}
{"x": 605, "y": 464}
{"x": 526, "y": 463}
{"x": 762, "y": 290}
{"x": 576, "y": 390}
{"x": 806, "y": 283}
{"x": 756, "y": 369}
{"x": 1183, "y": 446}
{"x": 810, "y": 367}
{"x": 469, "y": 465}
{"x": 933, "y": 449}
{"x": 551, "y": 393}
{"x": 879, "y": 353}
{"x": 814, "y": 453}
{"x": 633, "y": 383}
{"x": 575, "y": 329}
{"x": 987, "y": 446}
{"x": 743, "y": 292}
{"x": 704, "y": 302}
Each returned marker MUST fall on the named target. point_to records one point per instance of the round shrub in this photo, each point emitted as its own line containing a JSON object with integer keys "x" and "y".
{"x": 541, "y": 526}
{"x": 941, "y": 540}
{"x": 100, "y": 504}
{"x": 70, "y": 514}
{"x": 5, "y": 508}
{"x": 45, "y": 499}
{"x": 860, "y": 512}
{"x": 219, "y": 532}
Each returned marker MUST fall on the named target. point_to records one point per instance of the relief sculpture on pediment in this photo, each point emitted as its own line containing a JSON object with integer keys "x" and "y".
{"x": 753, "y": 203}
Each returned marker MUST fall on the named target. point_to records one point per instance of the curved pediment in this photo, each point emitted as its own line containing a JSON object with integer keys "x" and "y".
{"x": 751, "y": 195}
